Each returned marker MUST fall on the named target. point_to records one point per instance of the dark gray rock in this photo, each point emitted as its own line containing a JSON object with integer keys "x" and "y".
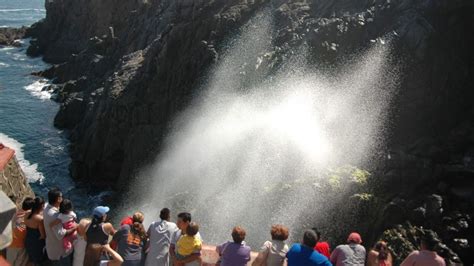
{"x": 11, "y": 36}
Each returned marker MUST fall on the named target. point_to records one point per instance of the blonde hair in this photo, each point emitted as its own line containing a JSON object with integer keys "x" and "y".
{"x": 138, "y": 218}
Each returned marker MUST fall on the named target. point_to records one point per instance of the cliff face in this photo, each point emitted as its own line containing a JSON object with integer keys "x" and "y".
{"x": 126, "y": 68}
{"x": 13, "y": 181}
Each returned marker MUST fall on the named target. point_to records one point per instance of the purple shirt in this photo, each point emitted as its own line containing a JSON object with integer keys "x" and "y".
{"x": 234, "y": 254}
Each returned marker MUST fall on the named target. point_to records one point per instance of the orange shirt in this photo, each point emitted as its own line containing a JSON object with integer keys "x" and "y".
{"x": 19, "y": 230}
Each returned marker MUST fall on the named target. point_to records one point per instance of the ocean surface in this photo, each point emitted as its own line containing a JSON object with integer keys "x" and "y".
{"x": 27, "y": 114}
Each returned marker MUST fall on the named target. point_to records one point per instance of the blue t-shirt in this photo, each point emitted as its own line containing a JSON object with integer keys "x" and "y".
{"x": 300, "y": 255}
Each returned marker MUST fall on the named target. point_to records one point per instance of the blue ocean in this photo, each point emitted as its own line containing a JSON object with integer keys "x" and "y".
{"x": 27, "y": 114}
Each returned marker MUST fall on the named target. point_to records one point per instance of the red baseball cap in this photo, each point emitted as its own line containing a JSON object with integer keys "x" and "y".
{"x": 355, "y": 238}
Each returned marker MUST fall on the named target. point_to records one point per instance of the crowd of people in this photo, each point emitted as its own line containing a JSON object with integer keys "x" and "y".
{"x": 51, "y": 232}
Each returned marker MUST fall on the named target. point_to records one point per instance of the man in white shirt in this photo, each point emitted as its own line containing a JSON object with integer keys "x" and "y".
{"x": 55, "y": 234}
{"x": 160, "y": 233}
{"x": 184, "y": 219}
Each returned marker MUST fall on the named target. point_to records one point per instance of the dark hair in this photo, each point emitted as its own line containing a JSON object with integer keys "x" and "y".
{"x": 318, "y": 233}
{"x": 310, "y": 238}
{"x": 53, "y": 195}
{"x": 279, "y": 232}
{"x": 382, "y": 249}
{"x": 37, "y": 206}
{"x": 27, "y": 204}
{"x": 165, "y": 214}
{"x": 192, "y": 229}
{"x": 66, "y": 206}
{"x": 429, "y": 239}
{"x": 138, "y": 227}
{"x": 185, "y": 216}
{"x": 238, "y": 234}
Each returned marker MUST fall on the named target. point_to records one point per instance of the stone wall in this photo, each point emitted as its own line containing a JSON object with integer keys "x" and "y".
{"x": 13, "y": 181}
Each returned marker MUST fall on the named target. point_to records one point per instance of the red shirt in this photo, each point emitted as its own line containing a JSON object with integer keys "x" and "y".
{"x": 323, "y": 248}
{"x": 127, "y": 220}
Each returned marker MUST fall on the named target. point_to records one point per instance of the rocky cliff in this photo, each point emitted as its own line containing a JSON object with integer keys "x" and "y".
{"x": 124, "y": 69}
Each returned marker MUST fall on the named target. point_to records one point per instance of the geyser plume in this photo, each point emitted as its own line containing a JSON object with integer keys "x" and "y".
{"x": 247, "y": 135}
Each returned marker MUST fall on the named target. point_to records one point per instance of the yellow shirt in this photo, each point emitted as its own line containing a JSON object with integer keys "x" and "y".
{"x": 188, "y": 244}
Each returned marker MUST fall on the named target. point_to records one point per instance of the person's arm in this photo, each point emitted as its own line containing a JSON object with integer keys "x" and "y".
{"x": 262, "y": 256}
{"x": 371, "y": 258}
{"x": 41, "y": 229}
{"x": 190, "y": 258}
{"x": 147, "y": 243}
{"x": 117, "y": 260}
{"x": 172, "y": 252}
{"x": 55, "y": 222}
{"x": 334, "y": 255}
{"x": 109, "y": 228}
{"x": 410, "y": 260}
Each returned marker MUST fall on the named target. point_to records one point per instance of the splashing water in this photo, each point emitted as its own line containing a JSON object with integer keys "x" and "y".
{"x": 247, "y": 134}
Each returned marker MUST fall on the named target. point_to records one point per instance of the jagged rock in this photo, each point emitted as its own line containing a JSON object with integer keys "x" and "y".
{"x": 404, "y": 239}
{"x": 11, "y": 36}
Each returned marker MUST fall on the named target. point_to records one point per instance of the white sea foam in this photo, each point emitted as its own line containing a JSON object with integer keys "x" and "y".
{"x": 22, "y": 10}
{"x": 36, "y": 89}
{"x": 4, "y": 64}
{"x": 30, "y": 170}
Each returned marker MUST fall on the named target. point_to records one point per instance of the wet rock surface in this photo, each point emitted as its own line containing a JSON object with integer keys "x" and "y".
{"x": 12, "y": 36}
{"x": 124, "y": 69}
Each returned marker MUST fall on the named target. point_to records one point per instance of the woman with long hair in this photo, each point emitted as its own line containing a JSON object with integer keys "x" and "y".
{"x": 379, "y": 255}
{"x": 35, "y": 234}
{"x": 131, "y": 239}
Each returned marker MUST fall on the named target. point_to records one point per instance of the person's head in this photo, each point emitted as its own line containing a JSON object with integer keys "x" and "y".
{"x": 137, "y": 219}
{"x": 382, "y": 248}
{"x": 66, "y": 206}
{"x": 192, "y": 229}
{"x": 310, "y": 238}
{"x": 279, "y": 232}
{"x": 165, "y": 214}
{"x": 27, "y": 204}
{"x": 184, "y": 218}
{"x": 238, "y": 234}
{"x": 100, "y": 213}
{"x": 318, "y": 233}
{"x": 55, "y": 196}
{"x": 354, "y": 238}
{"x": 38, "y": 206}
{"x": 428, "y": 240}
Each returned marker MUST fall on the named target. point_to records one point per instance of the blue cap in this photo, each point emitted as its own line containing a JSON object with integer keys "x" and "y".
{"x": 100, "y": 211}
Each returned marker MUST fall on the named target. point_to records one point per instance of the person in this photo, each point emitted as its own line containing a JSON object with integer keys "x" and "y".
{"x": 16, "y": 252}
{"x": 188, "y": 243}
{"x": 102, "y": 255}
{"x": 322, "y": 246}
{"x": 160, "y": 233}
{"x": 184, "y": 219}
{"x": 80, "y": 243}
{"x": 55, "y": 234}
{"x": 427, "y": 254}
{"x": 274, "y": 252}
{"x": 99, "y": 231}
{"x": 379, "y": 255}
{"x": 67, "y": 218}
{"x": 131, "y": 239}
{"x": 35, "y": 233}
{"x": 352, "y": 253}
{"x": 236, "y": 252}
{"x": 304, "y": 253}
